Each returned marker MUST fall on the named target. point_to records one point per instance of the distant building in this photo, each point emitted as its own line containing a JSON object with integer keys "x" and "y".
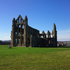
{"x": 24, "y": 35}
{"x": 1, "y": 42}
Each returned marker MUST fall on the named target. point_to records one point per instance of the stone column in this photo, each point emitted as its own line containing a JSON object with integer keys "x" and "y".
{"x": 31, "y": 41}
{"x": 55, "y": 35}
{"x": 25, "y": 30}
{"x": 20, "y": 35}
{"x": 44, "y": 36}
{"x": 17, "y": 34}
{"x": 13, "y": 33}
{"x": 25, "y": 35}
{"x": 13, "y": 37}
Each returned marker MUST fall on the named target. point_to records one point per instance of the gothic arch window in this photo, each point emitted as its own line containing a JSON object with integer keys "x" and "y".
{"x": 15, "y": 32}
{"x": 19, "y": 20}
{"x": 19, "y": 40}
{"x": 51, "y": 36}
{"x": 46, "y": 36}
{"x": 19, "y": 26}
{"x": 41, "y": 36}
{"x": 19, "y": 33}
{"x": 22, "y": 26}
{"x": 16, "y": 40}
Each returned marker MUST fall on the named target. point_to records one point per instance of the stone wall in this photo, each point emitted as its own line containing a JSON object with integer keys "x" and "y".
{"x": 24, "y": 35}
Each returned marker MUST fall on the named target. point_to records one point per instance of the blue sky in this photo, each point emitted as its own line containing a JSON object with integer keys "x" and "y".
{"x": 41, "y": 15}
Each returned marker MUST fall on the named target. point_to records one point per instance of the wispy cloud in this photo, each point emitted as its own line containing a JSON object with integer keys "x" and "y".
{"x": 5, "y": 36}
{"x": 64, "y": 31}
{"x": 63, "y": 35}
{"x": 6, "y": 33}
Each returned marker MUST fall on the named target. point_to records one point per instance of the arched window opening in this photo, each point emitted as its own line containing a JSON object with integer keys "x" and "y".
{"x": 19, "y": 20}
{"x": 22, "y": 26}
{"x": 51, "y": 36}
{"x": 19, "y": 33}
{"x": 16, "y": 41}
{"x": 15, "y": 32}
{"x": 41, "y": 36}
{"x": 46, "y": 36}
{"x": 19, "y": 26}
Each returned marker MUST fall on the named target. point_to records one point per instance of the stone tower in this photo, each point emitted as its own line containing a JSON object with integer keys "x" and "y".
{"x": 19, "y": 31}
{"x": 25, "y": 30}
{"x": 13, "y": 33}
{"x": 54, "y": 34}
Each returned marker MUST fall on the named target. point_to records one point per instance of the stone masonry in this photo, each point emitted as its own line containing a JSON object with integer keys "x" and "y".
{"x": 23, "y": 35}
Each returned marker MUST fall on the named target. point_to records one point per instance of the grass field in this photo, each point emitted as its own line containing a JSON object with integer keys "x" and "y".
{"x": 21, "y": 58}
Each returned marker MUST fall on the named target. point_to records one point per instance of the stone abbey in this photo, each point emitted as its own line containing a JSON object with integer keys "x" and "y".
{"x": 25, "y": 36}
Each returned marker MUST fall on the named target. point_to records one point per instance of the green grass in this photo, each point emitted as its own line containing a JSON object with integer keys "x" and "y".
{"x": 25, "y": 58}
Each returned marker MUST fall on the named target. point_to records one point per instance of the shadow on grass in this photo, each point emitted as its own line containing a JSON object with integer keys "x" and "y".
{"x": 54, "y": 47}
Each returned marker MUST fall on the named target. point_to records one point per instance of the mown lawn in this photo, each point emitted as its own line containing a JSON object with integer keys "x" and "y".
{"x": 21, "y": 58}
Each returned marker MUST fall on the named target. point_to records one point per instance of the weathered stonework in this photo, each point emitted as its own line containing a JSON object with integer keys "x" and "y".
{"x": 24, "y": 35}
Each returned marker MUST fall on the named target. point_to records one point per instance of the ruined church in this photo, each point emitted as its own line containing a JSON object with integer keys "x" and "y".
{"x": 23, "y": 35}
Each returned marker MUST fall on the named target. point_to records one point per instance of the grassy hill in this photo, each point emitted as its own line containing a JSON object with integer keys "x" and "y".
{"x": 25, "y": 58}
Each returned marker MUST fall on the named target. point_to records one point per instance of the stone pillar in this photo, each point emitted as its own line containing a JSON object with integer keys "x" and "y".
{"x": 44, "y": 36}
{"x": 25, "y": 35}
{"x": 13, "y": 33}
{"x": 54, "y": 35}
{"x": 31, "y": 41}
{"x": 20, "y": 35}
{"x": 17, "y": 34}
{"x": 12, "y": 37}
{"x": 25, "y": 31}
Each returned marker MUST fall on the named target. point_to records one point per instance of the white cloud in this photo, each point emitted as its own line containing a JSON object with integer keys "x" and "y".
{"x": 63, "y": 35}
{"x": 5, "y": 36}
{"x": 6, "y": 33}
{"x": 64, "y": 31}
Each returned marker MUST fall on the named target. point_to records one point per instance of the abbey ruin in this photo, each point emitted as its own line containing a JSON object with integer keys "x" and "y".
{"x": 25, "y": 36}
